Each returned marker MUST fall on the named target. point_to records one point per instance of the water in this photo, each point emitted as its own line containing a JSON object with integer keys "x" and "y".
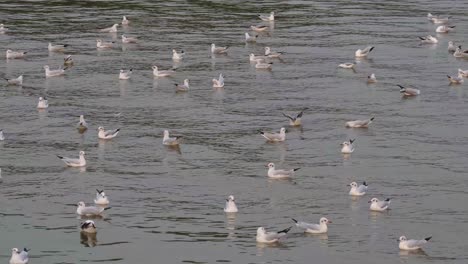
{"x": 167, "y": 203}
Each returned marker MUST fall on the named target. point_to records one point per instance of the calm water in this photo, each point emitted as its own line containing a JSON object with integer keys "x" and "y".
{"x": 167, "y": 204}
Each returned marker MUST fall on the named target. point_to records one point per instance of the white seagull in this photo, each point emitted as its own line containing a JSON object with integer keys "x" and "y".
{"x": 347, "y": 65}
{"x": 463, "y": 73}
{"x": 428, "y": 39}
{"x": 53, "y": 73}
{"x": 218, "y": 50}
{"x": 270, "y": 237}
{"x": 218, "y": 83}
{"x": 358, "y": 190}
{"x": 104, "y": 45}
{"x": 127, "y": 40}
{"x": 271, "y": 17}
{"x": 364, "y": 52}
{"x": 166, "y": 73}
{"x": 444, "y": 29}
{"x": 125, "y": 74}
{"x": 82, "y": 125}
{"x": 3, "y": 29}
{"x": 412, "y": 244}
{"x": 406, "y": 91}
{"x": 177, "y": 56}
{"x": 170, "y": 141}
{"x": 88, "y": 226}
{"x": 2, "y": 137}
{"x": 456, "y": 79}
{"x": 371, "y": 78}
{"x": 275, "y": 137}
{"x": 101, "y": 198}
{"x": 67, "y": 60}
{"x": 15, "y": 54}
{"x": 459, "y": 53}
{"x": 249, "y": 38}
{"x": 112, "y": 29}
{"x": 109, "y": 134}
{"x": 182, "y": 87}
{"x": 19, "y": 257}
{"x": 360, "y": 123}
{"x": 272, "y": 54}
{"x": 379, "y": 206}
{"x": 230, "y": 206}
{"x": 261, "y": 65}
{"x": 347, "y": 147}
{"x": 451, "y": 46}
{"x": 320, "y": 228}
{"x": 440, "y": 20}
{"x": 16, "y": 81}
{"x": 80, "y": 162}
{"x": 89, "y": 210}
{"x": 273, "y": 173}
{"x": 57, "y": 47}
{"x": 257, "y": 58}
{"x": 125, "y": 21}
{"x": 259, "y": 28}
{"x": 43, "y": 103}
{"x": 295, "y": 120}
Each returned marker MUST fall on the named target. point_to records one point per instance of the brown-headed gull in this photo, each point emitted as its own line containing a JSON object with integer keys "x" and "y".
{"x": 170, "y": 141}
{"x": 270, "y": 237}
{"x": 125, "y": 21}
{"x": 127, "y": 40}
{"x": 250, "y": 38}
{"x": 274, "y": 137}
{"x": 57, "y": 47}
{"x": 459, "y": 53}
{"x": 360, "y": 123}
{"x": 455, "y": 79}
{"x": 412, "y": 244}
{"x": 107, "y": 134}
{"x": 278, "y": 174}
{"x": 379, "y": 206}
{"x": 19, "y": 257}
{"x": 104, "y": 45}
{"x": 89, "y": 210}
{"x": 262, "y": 65}
{"x": 320, "y": 228}
{"x": 295, "y": 120}
{"x": 407, "y": 91}
{"x": 347, "y": 147}
{"x": 3, "y": 29}
{"x": 256, "y": 58}
{"x": 371, "y": 78}
{"x": 125, "y": 74}
{"x": 43, "y": 103}
{"x": 164, "y": 73}
{"x": 444, "y": 29}
{"x": 268, "y": 18}
{"x": 182, "y": 87}
{"x": 218, "y": 50}
{"x": 358, "y": 190}
{"x": 15, "y": 81}
{"x": 177, "y": 56}
{"x": 429, "y": 40}
{"x": 82, "y": 125}
{"x": 272, "y": 54}
{"x": 463, "y": 73}
{"x": 218, "y": 83}
{"x": 53, "y": 73}
{"x": 451, "y": 46}
{"x": 101, "y": 198}
{"x": 70, "y": 162}
{"x": 15, "y": 54}
{"x": 112, "y": 29}
{"x": 230, "y": 206}
{"x": 363, "y": 52}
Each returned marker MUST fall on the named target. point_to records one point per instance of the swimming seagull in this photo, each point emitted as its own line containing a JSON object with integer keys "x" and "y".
{"x": 125, "y": 74}
{"x": 15, "y": 54}
{"x": 80, "y": 162}
{"x": 444, "y": 29}
{"x": 428, "y": 39}
{"x": 57, "y": 47}
{"x": 463, "y": 73}
{"x": 275, "y": 137}
{"x": 259, "y": 28}
{"x": 320, "y": 228}
{"x": 270, "y": 237}
{"x": 459, "y": 53}
{"x": 257, "y": 58}
{"x": 18, "y": 257}
{"x": 347, "y": 65}
{"x": 358, "y": 190}
{"x": 177, "y": 55}
{"x": 271, "y": 17}
{"x": 104, "y": 45}
{"x": 166, "y": 73}
{"x": 125, "y": 21}
{"x": 218, "y": 83}
{"x": 371, "y": 78}
{"x": 295, "y": 120}
{"x": 451, "y": 46}
{"x": 406, "y": 91}
{"x": 88, "y": 226}
{"x": 272, "y": 54}
{"x": 440, "y": 20}
{"x": 273, "y": 173}
{"x": 218, "y": 50}
{"x": 82, "y": 125}
{"x": 412, "y": 244}
{"x": 126, "y": 39}
{"x": 89, "y": 210}
{"x": 43, "y": 103}
{"x": 182, "y": 87}
{"x": 109, "y": 134}
{"x": 68, "y": 60}
{"x": 170, "y": 141}
{"x": 348, "y": 146}
{"x": 261, "y": 65}
{"x": 2, "y": 137}
{"x": 3, "y": 29}
{"x": 230, "y": 206}
{"x": 16, "y": 81}
{"x": 379, "y": 206}
{"x": 430, "y": 16}
{"x": 364, "y": 52}
{"x": 249, "y": 38}
{"x": 53, "y": 73}
{"x": 456, "y": 80}
{"x": 101, "y": 198}
{"x": 112, "y": 29}
{"x": 359, "y": 123}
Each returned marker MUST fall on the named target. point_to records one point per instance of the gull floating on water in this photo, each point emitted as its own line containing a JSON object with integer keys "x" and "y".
{"x": 364, "y": 52}
{"x": 182, "y": 87}
{"x": 360, "y": 123}
{"x": 16, "y": 81}
{"x": 347, "y": 147}
{"x": 249, "y": 38}
{"x": 259, "y": 28}
{"x": 406, "y": 91}
{"x": 358, "y": 190}
{"x": 412, "y": 244}
{"x": 101, "y": 198}
{"x": 347, "y": 65}
{"x": 43, "y": 103}
{"x": 104, "y": 45}
{"x": 125, "y": 21}
{"x": 218, "y": 50}
{"x": 230, "y": 206}
{"x": 270, "y": 237}
{"x": 125, "y": 74}
{"x": 3, "y": 29}
{"x": 53, "y": 73}
{"x": 295, "y": 120}
{"x": 109, "y": 134}
{"x": 463, "y": 73}
{"x": 2, "y": 137}
{"x": 451, "y": 46}
{"x": 57, "y": 47}
{"x": 170, "y": 141}
{"x": 320, "y": 228}
{"x": 275, "y": 137}
{"x": 88, "y": 226}
{"x": 166, "y": 73}
{"x": 15, "y": 54}
{"x": 257, "y": 58}
{"x": 456, "y": 79}
{"x": 273, "y": 173}
{"x": 112, "y": 29}
{"x": 177, "y": 55}
{"x": 371, "y": 78}
{"x": 82, "y": 125}
{"x": 89, "y": 210}
{"x": 271, "y": 17}
{"x": 444, "y": 29}
{"x": 438, "y": 19}
{"x": 218, "y": 83}
{"x": 428, "y": 39}
{"x": 271, "y": 54}
{"x": 126, "y": 39}
{"x": 70, "y": 162}
{"x": 261, "y": 65}
{"x": 459, "y": 53}
{"x": 19, "y": 257}
{"x": 68, "y": 60}
{"x": 379, "y": 206}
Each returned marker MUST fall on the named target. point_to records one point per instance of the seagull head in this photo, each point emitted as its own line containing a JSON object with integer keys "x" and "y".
{"x": 9, "y": 51}
{"x": 155, "y": 68}
{"x": 41, "y": 99}
{"x": 81, "y": 204}
{"x": 231, "y": 198}
{"x": 15, "y": 250}
{"x": 353, "y": 185}
{"x": 166, "y": 133}
{"x": 261, "y": 231}
{"x": 271, "y": 165}
{"x": 100, "y": 128}
{"x": 82, "y": 153}
{"x": 324, "y": 221}
{"x": 374, "y": 200}
{"x": 283, "y": 130}
{"x": 402, "y": 238}
{"x": 46, "y": 67}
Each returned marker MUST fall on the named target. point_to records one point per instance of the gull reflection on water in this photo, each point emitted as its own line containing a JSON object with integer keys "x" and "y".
{"x": 88, "y": 239}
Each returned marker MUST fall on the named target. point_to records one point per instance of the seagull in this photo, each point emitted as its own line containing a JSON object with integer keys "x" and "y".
{"x": 430, "y": 16}
{"x": 451, "y": 46}
{"x": 371, "y": 78}
{"x": 218, "y": 50}
{"x": 271, "y": 54}
{"x": 259, "y": 28}
{"x": 278, "y": 174}
{"x": 271, "y": 17}
{"x": 15, "y": 54}
{"x": 379, "y": 206}
{"x": 412, "y": 244}
{"x": 89, "y": 210}
{"x": 428, "y": 39}
{"x": 2, "y": 137}
{"x": 126, "y": 39}
{"x": 463, "y": 73}
{"x": 170, "y": 141}
{"x": 257, "y": 58}
{"x": 440, "y": 20}
{"x": 320, "y": 228}
{"x": 363, "y": 53}
{"x": 109, "y": 134}
{"x": 459, "y": 53}
{"x": 43, "y": 103}
{"x": 219, "y": 83}
{"x": 125, "y": 75}
{"x": 18, "y": 257}
{"x": 249, "y": 38}
{"x": 230, "y": 206}
{"x": 182, "y": 87}
{"x": 348, "y": 147}
{"x": 53, "y": 73}
{"x": 295, "y": 120}
{"x": 101, "y": 198}
{"x": 112, "y": 29}
{"x": 270, "y": 237}
{"x": 177, "y": 56}
{"x": 444, "y": 29}
{"x": 360, "y": 123}
{"x": 104, "y": 45}
{"x": 409, "y": 91}
{"x": 3, "y": 29}
{"x": 347, "y": 65}
{"x": 125, "y": 21}
{"x": 57, "y": 47}
{"x": 16, "y": 81}
{"x": 358, "y": 190}
{"x": 88, "y": 226}
{"x": 456, "y": 80}
{"x": 263, "y": 65}
{"x": 68, "y": 60}
{"x": 80, "y": 162}
{"x": 82, "y": 125}
{"x": 158, "y": 73}
{"x": 275, "y": 137}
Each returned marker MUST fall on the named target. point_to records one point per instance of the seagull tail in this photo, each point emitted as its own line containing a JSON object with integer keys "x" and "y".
{"x": 60, "y": 157}
{"x": 428, "y": 238}
{"x": 295, "y": 221}
{"x": 261, "y": 132}
{"x": 372, "y": 118}
{"x": 285, "y": 230}
{"x": 296, "y": 169}
{"x": 387, "y": 200}
{"x": 448, "y": 76}
{"x": 364, "y": 183}
{"x": 107, "y": 208}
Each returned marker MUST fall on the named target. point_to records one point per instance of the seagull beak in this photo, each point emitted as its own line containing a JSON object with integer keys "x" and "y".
{"x": 330, "y": 222}
{"x": 369, "y": 202}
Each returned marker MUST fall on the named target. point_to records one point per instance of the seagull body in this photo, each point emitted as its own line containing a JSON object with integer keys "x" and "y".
{"x": 112, "y": 29}
{"x": 406, "y": 91}
{"x": 109, "y": 134}
{"x": 272, "y": 54}
{"x": 459, "y": 53}
{"x": 218, "y": 50}
{"x": 80, "y": 162}
{"x": 444, "y": 29}
{"x": 270, "y": 237}
{"x": 261, "y": 65}
{"x": 360, "y": 123}
{"x": 43, "y": 103}
{"x": 2, "y": 137}
{"x": 275, "y": 137}
{"x": 320, "y": 228}
{"x": 182, "y": 87}
{"x": 278, "y": 174}
{"x": 101, "y": 198}
{"x": 3, "y": 29}
{"x": 428, "y": 39}
{"x": 82, "y": 125}
{"x": 125, "y": 74}
{"x": 364, "y": 52}
{"x": 295, "y": 120}
{"x": 271, "y": 17}
{"x": 249, "y": 38}
{"x": 257, "y": 58}
{"x": 68, "y": 60}
{"x": 259, "y": 28}
{"x": 53, "y": 73}
{"x": 347, "y": 147}
{"x": 158, "y": 73}
{"x": 218, "y": 83}
{"x": 412, "y": 244}
{"x": 16, "y": 81}
{"x": 358, "y": 190}
{"x": 170, "y": 141}
{"x": 347, "y": 65}
{"x": 463, "y": 73}
{"x": 126, "y": 39}
{"x": 125, "y": 21}
{"x": 18, "y": 257}
{"x": 15, "y": 54}
{"x": 89, "y": 210}
{"x": 104, "y": 45}
{"x": 456, "y": 79}
{"x": 57, "y": 47}
{"x": 379, "y": 206}
{"x": 451, "y": 46}
{"x": 371, "y": 78}
{"x": 88, "y": 226}
{"x": 230, "y": 206}
{"x": 177, "y": 56}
